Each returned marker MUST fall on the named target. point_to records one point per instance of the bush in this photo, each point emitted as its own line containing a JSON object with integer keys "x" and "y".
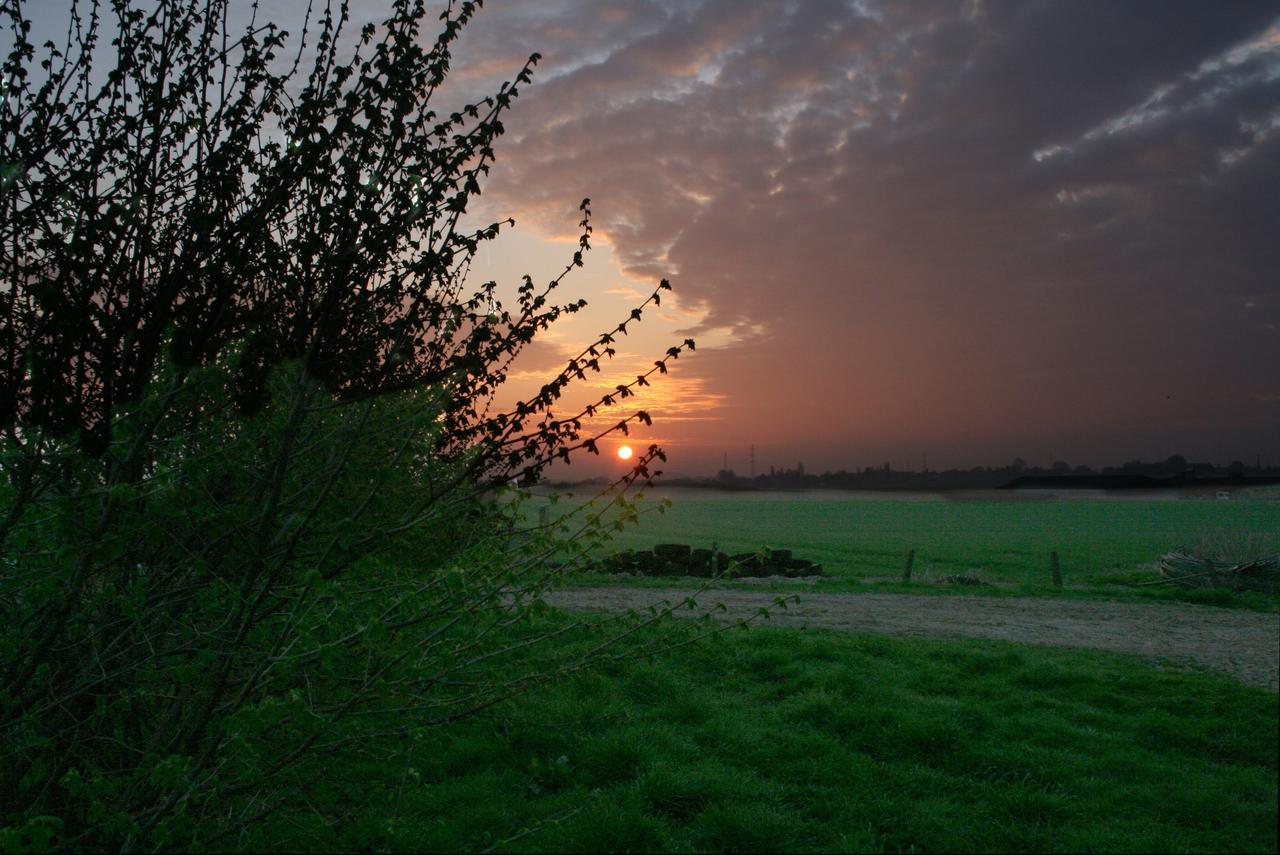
{"x": 258, "y": 496}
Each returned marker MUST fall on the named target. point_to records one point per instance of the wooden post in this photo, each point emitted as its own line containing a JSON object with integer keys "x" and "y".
{"x": 1057, "y": 571}
{"x": 906, "y": 572}
{"x": 544, "y": 516}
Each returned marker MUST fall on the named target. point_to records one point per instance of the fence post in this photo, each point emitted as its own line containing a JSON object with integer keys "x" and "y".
{"x": 906, "y": 572}
{"x": 1057, "y": 571}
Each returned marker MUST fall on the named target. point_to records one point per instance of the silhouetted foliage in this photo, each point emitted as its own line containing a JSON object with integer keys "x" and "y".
{"x": 1173, "y": 472}
{"x": 219, "y": 212}
{"x": 248, "y": 408}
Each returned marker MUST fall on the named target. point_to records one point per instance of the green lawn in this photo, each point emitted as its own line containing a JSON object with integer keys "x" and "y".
{"x": 794, "y": 740}
{"x": 799, "y": 740}
{"x": 1100, "y": 543}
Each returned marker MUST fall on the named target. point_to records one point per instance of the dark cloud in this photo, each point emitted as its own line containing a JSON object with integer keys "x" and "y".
{"x": 994, "y": 222}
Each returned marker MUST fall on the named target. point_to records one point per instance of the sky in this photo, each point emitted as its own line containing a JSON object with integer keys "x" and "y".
{"x": 971, "y": 231}
{"x": 968, "y": 231}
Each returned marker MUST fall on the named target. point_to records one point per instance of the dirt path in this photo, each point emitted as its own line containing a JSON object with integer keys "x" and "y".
{"x": 1242, "y": 643}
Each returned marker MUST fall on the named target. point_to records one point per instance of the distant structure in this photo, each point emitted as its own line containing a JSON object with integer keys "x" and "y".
{"x": 1193, "y": 478}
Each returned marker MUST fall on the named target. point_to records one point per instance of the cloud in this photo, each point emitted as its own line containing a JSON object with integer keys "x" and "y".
{"x": 995, "y": 219}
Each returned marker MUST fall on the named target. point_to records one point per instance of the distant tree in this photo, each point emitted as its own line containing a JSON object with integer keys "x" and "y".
{"x": 1061, "y": 466}
{"x": 1018, "y": 464}
{"x": 1176, "y": 462}
{"x": 247, "y": 399}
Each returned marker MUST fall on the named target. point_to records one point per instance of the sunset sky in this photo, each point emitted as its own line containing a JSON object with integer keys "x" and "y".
{"x": 969, "y": 230}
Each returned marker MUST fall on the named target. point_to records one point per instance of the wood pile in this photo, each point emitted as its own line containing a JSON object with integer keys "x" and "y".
{"x": 1190, "y": 571}
{"x": 678, "y": 559}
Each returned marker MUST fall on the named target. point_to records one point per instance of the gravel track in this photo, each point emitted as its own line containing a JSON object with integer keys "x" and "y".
{"x": 1242, "y": 643}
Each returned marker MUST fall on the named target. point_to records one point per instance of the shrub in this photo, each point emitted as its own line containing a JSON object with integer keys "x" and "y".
{"x": 258, "y": 494}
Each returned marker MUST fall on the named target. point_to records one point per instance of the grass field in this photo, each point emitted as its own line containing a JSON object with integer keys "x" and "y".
{"x": 1101, "y": 543}
{"x": 804, "y": 741}
{"x": 801, "y": 740}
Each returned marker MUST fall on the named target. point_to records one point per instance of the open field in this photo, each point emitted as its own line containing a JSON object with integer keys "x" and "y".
{"x": 791, "y": 740}
{"x": 1103, "y": 544}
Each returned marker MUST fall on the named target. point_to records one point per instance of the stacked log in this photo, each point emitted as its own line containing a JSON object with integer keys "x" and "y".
{"x": 961, "y": 580}
{"x": 678, "y": 559}
{"x": 1190, "y": 571}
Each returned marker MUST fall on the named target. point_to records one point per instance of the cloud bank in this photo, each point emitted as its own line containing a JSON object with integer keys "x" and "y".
{"x": 980, "y": 227}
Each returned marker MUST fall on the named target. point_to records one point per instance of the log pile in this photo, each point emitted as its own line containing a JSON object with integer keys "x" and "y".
{"x": 678, "y": 559}
{"x": 961, "y": 580}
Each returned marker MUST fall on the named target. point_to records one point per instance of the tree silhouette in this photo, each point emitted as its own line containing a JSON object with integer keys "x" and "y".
{"x": 170, "y": 210}
{"x": 240, "y": 360}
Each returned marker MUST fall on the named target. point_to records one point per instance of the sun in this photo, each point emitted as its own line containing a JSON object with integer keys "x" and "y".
{"x": 624, "y": 452}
